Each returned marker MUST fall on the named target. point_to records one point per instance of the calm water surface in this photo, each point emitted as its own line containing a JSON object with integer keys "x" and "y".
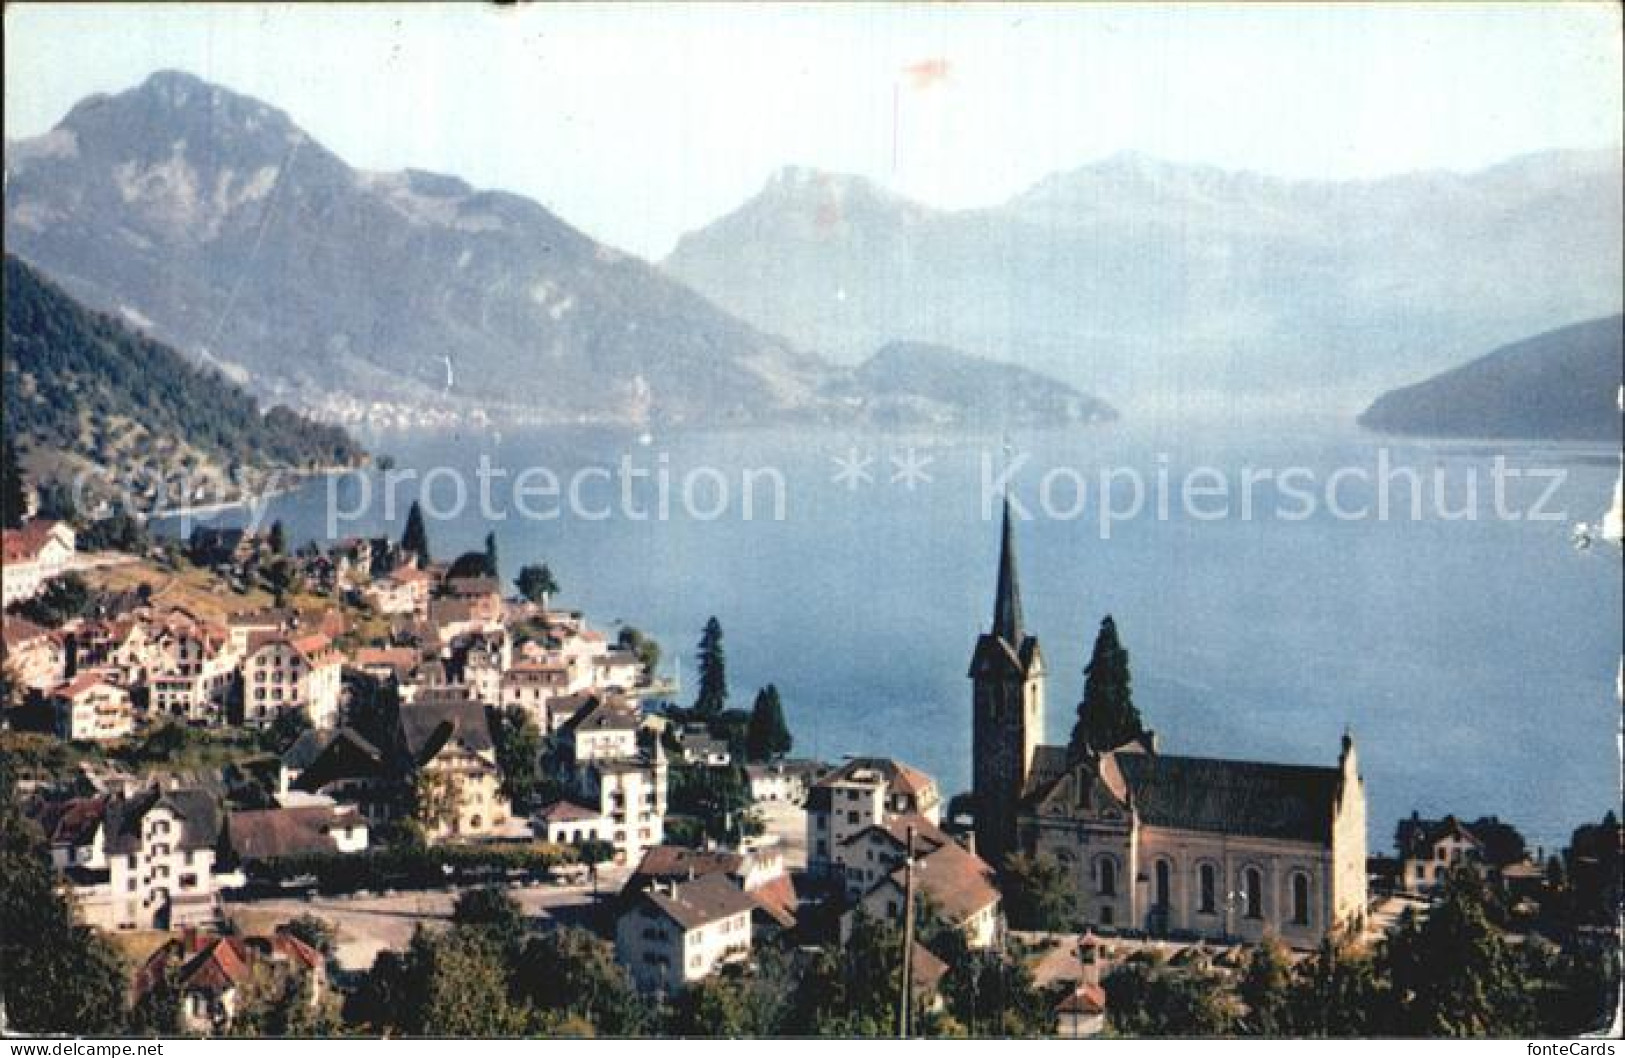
{"x": 1474, "y": 660}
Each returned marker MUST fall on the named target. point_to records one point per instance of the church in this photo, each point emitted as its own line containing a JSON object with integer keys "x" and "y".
{"x": 1166, "y": 845}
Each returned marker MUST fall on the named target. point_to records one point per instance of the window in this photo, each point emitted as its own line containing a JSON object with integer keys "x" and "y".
{"x": 1162, "y": 884}
{"x": 1106, "y": 915}
{"x": 1208, "y": 878}
{"x": 1252, "y": 885}
{"x": 1300, "y": 899}
{"x": 1106, "y": 872}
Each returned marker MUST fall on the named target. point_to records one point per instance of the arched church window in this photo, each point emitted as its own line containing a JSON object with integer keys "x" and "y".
{"x": 1300, "y": 899}
{"x": 1208, "y": 889}
{"x": 1252, "y": 892}
{"x": 1163, "y": 875}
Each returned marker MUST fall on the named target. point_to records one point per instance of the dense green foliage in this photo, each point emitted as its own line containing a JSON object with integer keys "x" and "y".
{"x": 1038, "y": 894}
{"x": 468, "y": 564}
{"x": 768, "y": 735}
{"x": 58, "y": 976}
{"x": 415, "y": 537}
{"x": 408, "y": 866}
{"x": 64, "y": 598}
{"x": 646, "y": 648}
{"x": 536, "y": 583}
{"x": 1107, "y": 717}
{"x": 519, "y": 750}
{"x": 713, "y": 667}
{"x": 73, "y": 376}
{"x": 13, "y": 487}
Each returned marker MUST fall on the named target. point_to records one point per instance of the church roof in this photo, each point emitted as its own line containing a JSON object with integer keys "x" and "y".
{"x": 1007, "y": 623}
{"x": 1006, "y": 646}
{"x": 1289, "y": 802}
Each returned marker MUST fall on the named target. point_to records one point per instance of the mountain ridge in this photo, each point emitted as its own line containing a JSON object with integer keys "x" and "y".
{"x": 212, "y": 221}
{"x": 1141, "y": 277}
{"x": 1560, "y": 385}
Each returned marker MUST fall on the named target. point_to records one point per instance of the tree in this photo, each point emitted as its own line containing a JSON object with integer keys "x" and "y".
{"x": 278, "y": 539}
{"x": 493, "y": 565}
{"x": 59, "y": 976}
{"x": 852, "y": 989}
{"x": 646, "y": 649}
{"x": 314, "y": 931}
{"x": 434, "y": 800}
{"x": 536, "y": 584}
{"x": 1265, "y": 988}
{"x": 767, "y": 736}
{"x": 1453, "y": 974}
{"x": 713, "y": 666}
{"x": 119, "y": 531}
{"x": 992, "y": 994}
{"x": 711, "y": 1007}
{"x": 468, "y": 564}
{"x": 446, "y": 984}
{"x": 571, "y": 973}
{"x": 1107, "y": 717}
{"x": 492, "y": 908}
{"x": 1336, "y": 992}
{"x": 1146, "y": 1000}
{"x": 13, "y": 487}
{"x": 63, "y": 599}
{"x": 416, "y": 536}
{"x": 1039, "y": 894}
{"x": 158, "y": 1010}
{"x": 285, "y": 729}
{"x": 519, "y": 752}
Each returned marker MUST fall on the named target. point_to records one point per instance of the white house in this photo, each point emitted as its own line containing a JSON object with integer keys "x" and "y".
{"x": 861, "y": 793}
{"x": 284, "y": 672}
{"x": 143, "y": 861}
{"x": 34, "y": 555}
{"x": 673, "y": 935}
{"x": 91, "y": 708}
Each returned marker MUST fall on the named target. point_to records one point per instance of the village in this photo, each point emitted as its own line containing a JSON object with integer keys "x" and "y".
{"x": 283, "y": 781}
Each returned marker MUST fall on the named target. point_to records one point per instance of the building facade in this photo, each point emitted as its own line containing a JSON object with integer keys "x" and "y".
{"x": 1168, "y": 845}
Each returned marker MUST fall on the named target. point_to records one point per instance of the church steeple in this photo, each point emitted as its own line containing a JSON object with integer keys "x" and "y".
{"x": 1007, "y": 710}
{"x": 1007, "y": 601}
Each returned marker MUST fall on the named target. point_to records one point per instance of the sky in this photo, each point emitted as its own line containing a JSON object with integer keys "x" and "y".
{"x": 638, "y": 123}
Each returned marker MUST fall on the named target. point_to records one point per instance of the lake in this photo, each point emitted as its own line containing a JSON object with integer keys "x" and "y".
{"x": 1473, "y": 658}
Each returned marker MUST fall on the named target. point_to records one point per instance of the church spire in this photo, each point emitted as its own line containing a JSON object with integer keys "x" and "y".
{"x": 1007, "y": 603}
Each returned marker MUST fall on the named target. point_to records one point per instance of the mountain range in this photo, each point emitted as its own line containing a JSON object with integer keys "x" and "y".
{"x": 1145, "y": 279}
{"x": 1561, "y": 385}
{"x": 211, "y": 221}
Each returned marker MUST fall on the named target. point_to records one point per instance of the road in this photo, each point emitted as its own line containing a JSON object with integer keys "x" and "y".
{"x": 369, "y": 924}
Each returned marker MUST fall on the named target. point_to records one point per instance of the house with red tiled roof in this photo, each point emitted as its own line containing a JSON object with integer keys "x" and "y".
{"x": 211, "y": 974}
{"x": 36, "y": 656}
{"x": 861, "y": 793}
{"x": 32, "y": 556}
{"x": 194, "y": 673}
{"x": 283, "y": 671}
{"x": 955, "y": 882}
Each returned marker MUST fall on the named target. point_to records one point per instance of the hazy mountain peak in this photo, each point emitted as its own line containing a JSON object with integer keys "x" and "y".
{"x": 407, "y": 296}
